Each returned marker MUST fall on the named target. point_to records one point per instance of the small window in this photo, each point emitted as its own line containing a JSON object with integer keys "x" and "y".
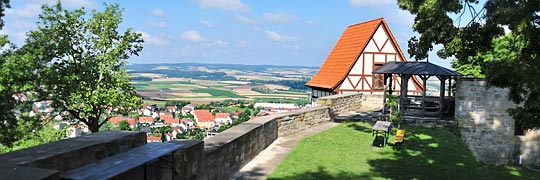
{"x": 378, "y": 79}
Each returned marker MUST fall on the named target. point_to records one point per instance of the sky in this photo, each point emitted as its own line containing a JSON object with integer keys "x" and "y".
{"x": 254, "y": 32}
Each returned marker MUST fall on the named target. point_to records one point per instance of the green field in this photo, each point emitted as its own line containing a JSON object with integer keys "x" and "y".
{"x": 218, "y": 93}
{"x": 158, "y": 85}
{"x": 345, "y": 152}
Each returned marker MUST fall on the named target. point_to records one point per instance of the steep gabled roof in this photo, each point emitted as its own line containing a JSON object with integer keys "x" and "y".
{"x": 345, "y": 53}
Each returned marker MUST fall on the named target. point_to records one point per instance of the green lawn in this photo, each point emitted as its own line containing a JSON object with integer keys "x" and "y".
{"x": 344, "y": 152}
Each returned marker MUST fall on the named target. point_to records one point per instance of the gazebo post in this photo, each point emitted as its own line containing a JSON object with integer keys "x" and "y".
{"x": 384, "y": 95}
{"x": 441, "y": 95}
{"x": 403, "y": 93}
{"x": 450, "y": 86}
{"x": 424, "y": 83}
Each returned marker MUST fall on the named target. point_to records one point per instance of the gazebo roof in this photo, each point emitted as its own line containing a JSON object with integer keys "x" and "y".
{"x": 415, "y": 68}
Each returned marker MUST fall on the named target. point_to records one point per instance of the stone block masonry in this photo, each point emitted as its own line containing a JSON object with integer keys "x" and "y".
{"x": 218, "y": 157}
{"x": 488, "y": 129}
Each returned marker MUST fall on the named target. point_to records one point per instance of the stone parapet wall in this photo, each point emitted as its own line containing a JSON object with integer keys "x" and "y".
{"x": 67, "y": 154}
{"x": 228, "y": 151}
{"x": 529, "y": 148}
{"x": 371, "y": 102}
{"x": 345, "y": 103}
{"x": 486, "y": 127}
{"x": 296, "y": 121}
{"x": 218, "y": 157}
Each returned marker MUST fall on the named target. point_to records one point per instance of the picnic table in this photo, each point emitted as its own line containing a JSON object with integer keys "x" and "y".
{"x": 382, "y": 127}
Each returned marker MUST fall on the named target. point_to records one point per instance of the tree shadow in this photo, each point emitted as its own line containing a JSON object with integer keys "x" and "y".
{"x": 322, "y": 173}
{"x": 425, "y": 154}
{"x": 360, "y": 128}
{"x": 432, "y": 154}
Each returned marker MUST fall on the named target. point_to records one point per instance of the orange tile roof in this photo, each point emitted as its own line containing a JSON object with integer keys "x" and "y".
{"x": 146, "y": 119}
{"x": 117, "y": 119}
{"x": 204, "y": 116}
{"x": 344, "y": 54}
{"x": 223, "y": 115}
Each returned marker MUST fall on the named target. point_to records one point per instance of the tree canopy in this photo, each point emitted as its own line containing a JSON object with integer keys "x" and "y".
{"x": 476, "y": 38}
{"x": 79, "y": 63}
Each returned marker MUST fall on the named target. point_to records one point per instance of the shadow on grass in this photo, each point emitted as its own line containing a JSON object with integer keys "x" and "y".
{"x": 360, "y": 128}
{"x": 322, "y": 173}
{"x": 426, "y": 154}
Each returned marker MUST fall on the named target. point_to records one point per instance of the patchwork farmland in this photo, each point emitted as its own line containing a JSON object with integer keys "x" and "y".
{"x": 165, "y": 82}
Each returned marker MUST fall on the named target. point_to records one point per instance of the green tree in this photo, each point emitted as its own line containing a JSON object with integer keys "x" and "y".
{"x": 36, "y": 135}
{"x": 124, "y": 126}
{"x": 81, "y": 62}
{"x": 510, "y": 62}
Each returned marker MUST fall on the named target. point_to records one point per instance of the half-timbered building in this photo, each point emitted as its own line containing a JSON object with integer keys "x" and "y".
{"x": 360, "y": 50}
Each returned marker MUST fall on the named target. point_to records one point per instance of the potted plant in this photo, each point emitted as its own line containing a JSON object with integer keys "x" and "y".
{"x": 392, "y": 103}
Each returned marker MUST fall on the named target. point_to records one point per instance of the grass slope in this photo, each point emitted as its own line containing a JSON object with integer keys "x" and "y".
{"x": 345, "y": 152}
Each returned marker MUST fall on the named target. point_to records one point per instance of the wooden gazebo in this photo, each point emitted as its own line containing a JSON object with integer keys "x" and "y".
{"x": 423, "y": 106}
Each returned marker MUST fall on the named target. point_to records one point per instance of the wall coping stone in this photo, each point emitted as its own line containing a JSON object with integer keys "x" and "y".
{"x": 11, "y": 172}
{"x": 336, "y": 96}
{"x": 214, "y": 143}
{"x": 66, "y": 146}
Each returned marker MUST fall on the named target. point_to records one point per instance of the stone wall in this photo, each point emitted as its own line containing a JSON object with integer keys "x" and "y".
{"x": 344, "y": 103}
{"x": 218, "y": 157}
{"x": 529, "y": 148}
{"x": 488, "y": 129}
{"x": 228, "y": 151}
{"x": 66, "y": 154}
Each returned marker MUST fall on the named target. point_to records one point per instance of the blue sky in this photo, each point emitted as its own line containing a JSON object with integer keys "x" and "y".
{"x": 277, "y": 32}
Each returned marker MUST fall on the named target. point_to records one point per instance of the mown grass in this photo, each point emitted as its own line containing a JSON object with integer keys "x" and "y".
{"x": 345, "y": 152}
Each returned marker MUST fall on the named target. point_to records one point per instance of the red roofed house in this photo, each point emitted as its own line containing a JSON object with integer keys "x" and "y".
{"x": 223, "y": 118}
{"x": 116, "y": 120}
{"x": 168, "y": 119}
{"x": 146, "y": 119}
{"x": 151, "y": 138}
{"x": 360, "y": 50}
{"x": 204, "y": 119}
{"x": 171, "y": 109}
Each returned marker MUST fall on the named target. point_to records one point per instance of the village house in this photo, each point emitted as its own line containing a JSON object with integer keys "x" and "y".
{"x": 204, "y": 119}
{"x": 360, "y": 50}
{"x": 146, "y": 119}
{"x": 223, "y": 118}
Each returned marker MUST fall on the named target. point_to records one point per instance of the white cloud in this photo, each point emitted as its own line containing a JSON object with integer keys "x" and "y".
{"x": 246, "y": 20}
{"x": 369, "y": 3}
{"x": 273, "y": 35}
{"x": 27, "y": 11}
{"x": 243, "y": 44}
{"x": 230, "y": 5}
{"x": 193, "y": 36}
{"x": 157, "y": 12}
{"x": 207, "y": 24}
{"x": 311, "y": 22}
{"x": 278, "y": 17}
{"x": 293, "y": 47}
{"x": 78, "y": 4}
{"x": 160, "y": 24}
{"x": 218, "y": 43}
{"x": 152, "y": 39}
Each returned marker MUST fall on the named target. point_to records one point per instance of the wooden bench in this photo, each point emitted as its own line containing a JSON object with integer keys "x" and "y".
{"x": 400, "y": 134}
{"x": 117, "y": 164}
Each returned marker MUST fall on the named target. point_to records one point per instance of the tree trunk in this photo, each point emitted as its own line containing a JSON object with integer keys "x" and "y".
{"x": 93, "y": 125}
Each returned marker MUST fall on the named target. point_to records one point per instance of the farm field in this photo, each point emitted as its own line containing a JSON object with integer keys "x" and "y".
{"x": 202, "y": 83}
